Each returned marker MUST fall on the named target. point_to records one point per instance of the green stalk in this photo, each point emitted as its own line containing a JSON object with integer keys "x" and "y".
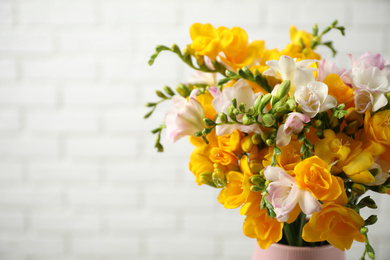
{"x": 301, "y": 221}
{"x": 289, "y": 232}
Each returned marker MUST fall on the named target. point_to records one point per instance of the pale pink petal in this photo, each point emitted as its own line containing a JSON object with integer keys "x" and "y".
{"x": 281, "y": 138}
{"x": 215, "y": 92}
{"x": 272, "y": 173}
{"x": 308, "y": 203}
{"x": 379, "y": 102}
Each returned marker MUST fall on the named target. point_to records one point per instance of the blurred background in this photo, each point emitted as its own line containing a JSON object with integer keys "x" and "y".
{"x": 79, "y": 177}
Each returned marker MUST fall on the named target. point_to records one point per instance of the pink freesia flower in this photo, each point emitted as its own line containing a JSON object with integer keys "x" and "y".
{"x": 370, "y": 78}
{"x": 327, "y": 67}
{"x": 186, "y": 118}
{"x": 284, "y": 194}
{"x": 293, "y": 125}
{"x": 243, "y": 93}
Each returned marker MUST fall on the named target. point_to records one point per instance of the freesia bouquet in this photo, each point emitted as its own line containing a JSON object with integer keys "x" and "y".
{"x": 291, "y": 138}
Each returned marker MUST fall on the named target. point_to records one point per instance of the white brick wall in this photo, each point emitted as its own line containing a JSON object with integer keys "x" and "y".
{"x": 79, "y": 177}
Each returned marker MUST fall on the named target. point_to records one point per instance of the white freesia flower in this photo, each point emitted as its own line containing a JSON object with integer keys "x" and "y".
{"x": 243, "y": 93}
{"x": 313, "y": 98}
{"x": 299, "y": 73}
{"x": 284, "y": 194}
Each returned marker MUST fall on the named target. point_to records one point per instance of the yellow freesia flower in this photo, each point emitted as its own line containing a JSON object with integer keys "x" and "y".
{"x": 231, "y": 142}
{"x": 205, "y": 40}
{"x": 265, "y": 229}
{"x": 294, "y": 49}
{"x": 289, "y": 158}
{"x": 347, "y": 155}
{"x": 237, "y": 51}
{"x": 199, "y": 159}
{"x": 223, "y": 157}
{"x": 377, "y": 132}
{"x": 313, "y": 174}
{"x": 237, "y": 190}
{"x": 337, "y": 224}
{"x": 341, "y": 92}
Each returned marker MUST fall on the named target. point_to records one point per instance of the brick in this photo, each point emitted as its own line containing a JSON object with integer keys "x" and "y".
{"x": 243, "y": 14}
{"x": 101, "y": 147}
{"x": 7, "y": 68}
{"x": 30, "y": 244}
{"x": 57, "y": 13}
{"x": 63, "y": 121}
{"x": 102, "y": 40}
{"x": 22, "y": 41}
{"x": 288, "y": 13}
{"x": 242, "y": 248}
{"x": 122, "y": 120}
{"x": 57, "y": 67}
{"x": 6, "y": 13}
{"x": 366, "y": 13}
{"x": 171, "y": 196}
{"x": 72, "y": 222}
{"x": 9, "y": 119}
{"x": 140, "y": 171}
{"x": 29, "y": 147}
{"x": 369, "y": 40}
{"x": 222, "y": 221}
{"x": 102, "y": 197}
{"x": 12, "y": 221}
{"x": 115, "y": 95}
{"x": 62, "y": 171}
{"x": 29, "y": 197}
{"x": 105, "y": 246}
{"x": 181, "y": 246}
{"x": 11, "y": 171}
{"x": 142, "y": 221}
{"x": 141, "y": 14}
{"x": 28, "y": 95}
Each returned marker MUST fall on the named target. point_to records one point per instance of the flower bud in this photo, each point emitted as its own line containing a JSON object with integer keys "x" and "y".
{"x": 269, "y": 142}
{"x": 375, "y": 171}
{"x": 291, "y": 104}
{"x": 169, "y": 91}
{"x": 264, "y": 101}
{"x": 257, "y": 103}
{"x": 382, "y": 189}
{"x": 318, "y": 123}
{"x": 255, "y": 188}
{"x": 208, "y": 122}
{"x": 205, "y": 177}
{"x": 264, "y": 137}
{"x": 256, "y": 166}
{"x": 218, "y": 177}
{"x": 268, "y": 120}
{"x": 251, "y": 111}
{"x": 246, "y": 144}
{"x": 352, "y": 115}
{"x": 282, "y": 91}
{"x": 256, "y": 139}
{"x": 352, "y": 128}
{"x": 371, "y": 220}
{"x": 358, "y": 188}
{"x": 160, "y": 94}
{"x": 241, "y": 107}
{"x": 223, "y": 118}
{"x": 183, "y": 90}
{"x": 256, "y": 179}
{"x": 363, "y": 230}
{"x": 247, "y": 120}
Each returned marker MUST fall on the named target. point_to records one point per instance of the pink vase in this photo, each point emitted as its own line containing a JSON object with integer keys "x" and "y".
{"x": 284, "y": 252}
